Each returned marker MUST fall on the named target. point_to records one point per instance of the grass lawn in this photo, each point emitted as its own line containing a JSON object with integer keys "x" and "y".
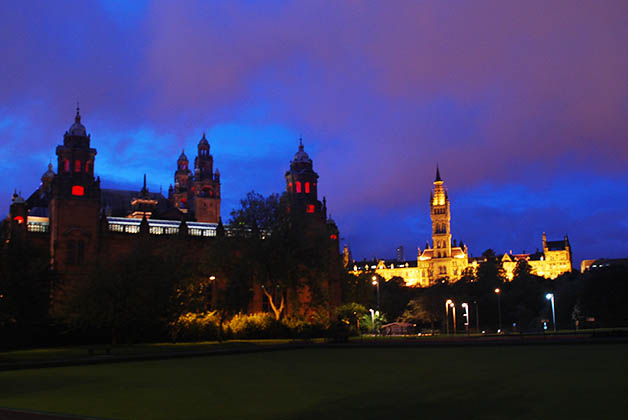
{"x": 82, "y": 352}
{"x": 504, "y": 382}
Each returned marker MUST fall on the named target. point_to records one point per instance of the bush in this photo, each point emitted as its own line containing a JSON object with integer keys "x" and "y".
{"x": 190, "y": 326}
{"x": 260, "y": 325}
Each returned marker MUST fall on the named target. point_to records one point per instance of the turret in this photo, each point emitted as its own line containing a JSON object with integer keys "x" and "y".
{"x": 441, "y": 218}
{"x": 206, "y": 188}
{"x": 75, "y": 204}
{"x": 301, "y": 184}
{"x": 18, "y": 215}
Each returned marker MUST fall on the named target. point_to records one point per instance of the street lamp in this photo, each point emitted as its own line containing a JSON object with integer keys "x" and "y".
{"x": 376, "y": 283}
{"x": 213, "y": 296}
{"x": 448, "y": 302}
{"x": 372, "y": 318}
{"x": 477, "y": 315}
{"x": 453, "y": 311}
{"x": 465, "y": 306}
{"x": 499, "y": 308}
{"x": 550, "y": 297}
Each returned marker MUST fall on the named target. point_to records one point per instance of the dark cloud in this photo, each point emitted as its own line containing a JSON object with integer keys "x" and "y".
{"x": 505, "y": 96}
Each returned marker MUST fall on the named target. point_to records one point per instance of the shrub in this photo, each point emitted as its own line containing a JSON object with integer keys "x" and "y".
{"x": 195, "y": 327}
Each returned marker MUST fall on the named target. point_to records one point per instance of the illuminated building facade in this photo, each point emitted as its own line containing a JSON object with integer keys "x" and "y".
{"x": 447, "y": 261}
{"x": 443, "y": 260}
{"x": 551, "y": 263}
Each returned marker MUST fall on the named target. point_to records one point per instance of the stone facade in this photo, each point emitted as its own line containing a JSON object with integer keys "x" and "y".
{"x": 80, "y": 222}
{"x": 551, "y": 263}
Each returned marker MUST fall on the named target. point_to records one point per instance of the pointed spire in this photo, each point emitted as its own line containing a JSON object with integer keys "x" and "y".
{"x": 438, "y": 178}
{"x": 144, "y": 191}
{"x": 300, "y": 143}
{"x": 77, "y": 118}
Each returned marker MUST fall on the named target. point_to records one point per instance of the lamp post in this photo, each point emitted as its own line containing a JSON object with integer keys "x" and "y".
{"x": 447, "y": 303}
{"x": 550, "y": 297}
{"x": 499, "y": 308}
{"x": 376, "y": 283}
{"x": 453, "y": 311}
{"x": 477, "y": 316}
{"x": 372, "y": 319}
{"x": 465, "y": 306}
{"x": 212, "y": 280}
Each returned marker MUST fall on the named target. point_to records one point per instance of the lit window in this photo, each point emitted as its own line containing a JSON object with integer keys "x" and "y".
{"x": 298, "y": 186}
{"x": 333, "y": 236}
{"x": 66, "y": 165}
{"x": 77, "y": 166}
{"x": 78, "y": 190}
{"x": 307, "y": 187}
{"x": 19, "y": 219}
{"x": 290, "y": 186}
{"x": 87, "y": 167}
{"x": 310, "y": 208}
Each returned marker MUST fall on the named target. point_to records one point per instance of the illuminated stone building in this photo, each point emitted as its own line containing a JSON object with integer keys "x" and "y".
{"x": 446, "y": 260}
{"x": 78, "y": 221}
{"x": 443, "y": 260}
{"x": 551, "y": 263}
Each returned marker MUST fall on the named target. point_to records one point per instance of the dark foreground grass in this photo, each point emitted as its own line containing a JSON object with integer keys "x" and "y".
{"x": 142, "y": 349}
{"x": 505, "y": 382}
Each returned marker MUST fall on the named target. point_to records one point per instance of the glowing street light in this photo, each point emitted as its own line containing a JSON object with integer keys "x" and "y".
{"x": 376, "y": 283}
{"x": 550, "y": 297}
{"x": 453, "y": 310}
{"x": 465, "y": 306}
{"x": 213, "y": 292}
{"x": 499, "y": 308}
{"x": 448, "y": 302}
{"x": 372, "y": 318}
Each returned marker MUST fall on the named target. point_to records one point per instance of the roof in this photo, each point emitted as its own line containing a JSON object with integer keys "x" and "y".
{"x": 557, "y": 245}
{"x": 117, "y": 203}
{"x": 456, "y": 252}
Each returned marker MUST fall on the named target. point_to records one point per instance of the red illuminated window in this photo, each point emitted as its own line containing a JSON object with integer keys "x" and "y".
{"x": 66, "y": 165}
{"x": 298, "y": 186}
{"x": 309, "y": 208}
{"x": 307, "y": 187}
{"x": 77, "y": 166}
{"x": 87, "y": 167}
{"x": 19, "y": 219}
{"x": 333, "y": 236}
{"x": 290, "y": 186}
{"x": 78, "y": 190}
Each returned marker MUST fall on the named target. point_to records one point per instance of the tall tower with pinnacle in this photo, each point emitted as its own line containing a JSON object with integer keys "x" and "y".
{"x": 206, "y": 186}
{"x": 441, "y": 219}
{"x": 301, "y": 185}
{"x": 75, "y": 204}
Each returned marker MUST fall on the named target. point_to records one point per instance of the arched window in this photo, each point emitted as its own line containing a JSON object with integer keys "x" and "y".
{"x": 298, "y": 184}
{"x": 66, "y": 165}
{"x": 87, "y": 167}
{"x": 77, "y": 166}
{"x": 307, "y": 187}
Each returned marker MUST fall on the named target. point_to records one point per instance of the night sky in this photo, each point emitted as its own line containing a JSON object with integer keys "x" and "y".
{"x": 523, "y": 105}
